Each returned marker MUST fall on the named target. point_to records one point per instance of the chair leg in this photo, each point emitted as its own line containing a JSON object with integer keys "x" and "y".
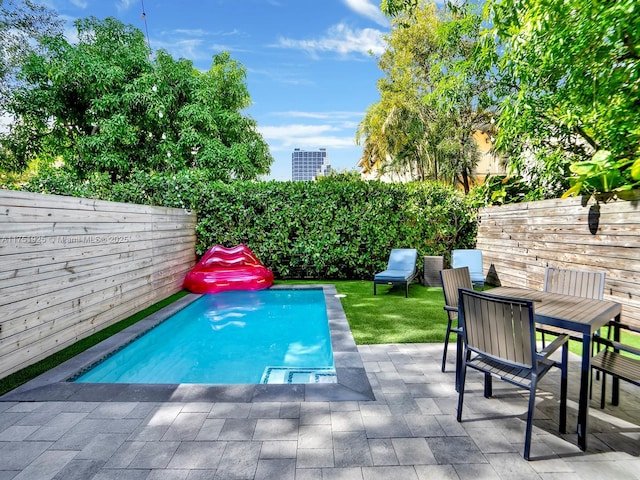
{"x": 527, "y": 435}
{"x": 459, "y": 353}
{"x": 463, "y": 374}
{"x": 596, "y": 346}
{"x": 446, "y": 343}
{"x": 488, "y": 385}
{"x": 374, "y": 288}
{"x": 603, "y": 391}
{"x": 597, "y": 377}
{"x": 563, "y": 388}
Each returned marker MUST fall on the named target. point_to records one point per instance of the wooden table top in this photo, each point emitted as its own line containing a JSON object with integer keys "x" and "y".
{"x": 566, "y": 311}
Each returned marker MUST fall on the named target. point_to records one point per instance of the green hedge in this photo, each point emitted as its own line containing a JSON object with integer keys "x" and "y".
{"x": 336, "y": 228}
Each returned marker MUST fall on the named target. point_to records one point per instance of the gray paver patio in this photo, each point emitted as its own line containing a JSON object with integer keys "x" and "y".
{"x": 408, "y": 431}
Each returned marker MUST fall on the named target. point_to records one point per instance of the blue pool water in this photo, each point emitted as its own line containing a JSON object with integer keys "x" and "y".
{"x": 267, "y": 336}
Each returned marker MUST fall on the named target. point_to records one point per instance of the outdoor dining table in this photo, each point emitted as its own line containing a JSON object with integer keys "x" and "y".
{"x": 575, "y": 314}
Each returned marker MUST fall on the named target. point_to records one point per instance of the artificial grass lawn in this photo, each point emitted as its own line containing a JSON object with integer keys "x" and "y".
{"x": 389, "y": 317}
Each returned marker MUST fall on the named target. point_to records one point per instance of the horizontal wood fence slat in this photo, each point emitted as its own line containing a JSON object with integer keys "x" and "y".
{"x": 520, "y": 240}
{"x": 70, "y": 267}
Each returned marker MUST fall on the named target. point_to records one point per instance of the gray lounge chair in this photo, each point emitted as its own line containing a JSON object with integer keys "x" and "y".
{"x": 401, "y": 269}
{"x": 471, "y": 258}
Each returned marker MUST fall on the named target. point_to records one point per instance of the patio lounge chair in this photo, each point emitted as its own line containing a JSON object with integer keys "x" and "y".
{"x": 452, "y": 280}
{"x": 471, "y": 258}
{"x": 500, "y": 339}
{"x": 401, "y": 269}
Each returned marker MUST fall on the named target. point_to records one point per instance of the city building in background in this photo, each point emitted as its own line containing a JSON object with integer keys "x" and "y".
{"x": 307, "y": 165}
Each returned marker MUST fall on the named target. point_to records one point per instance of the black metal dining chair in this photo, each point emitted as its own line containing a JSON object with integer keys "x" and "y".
{"x": 452, "y": 279}
{"x": 619, "y": 359}
{"x": 578, "y": 283}
{"x": 499, "y": 337}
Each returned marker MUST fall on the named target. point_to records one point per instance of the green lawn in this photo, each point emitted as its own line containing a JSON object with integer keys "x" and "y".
{"x": 389, "y": 317}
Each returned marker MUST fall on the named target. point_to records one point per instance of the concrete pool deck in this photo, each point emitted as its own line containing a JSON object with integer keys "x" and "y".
{"x": 408, "y": 432}
{"x": 391, "y": 416}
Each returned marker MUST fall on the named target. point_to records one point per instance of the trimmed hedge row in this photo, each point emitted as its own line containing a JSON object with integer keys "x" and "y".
{"x": 335, "y": 228}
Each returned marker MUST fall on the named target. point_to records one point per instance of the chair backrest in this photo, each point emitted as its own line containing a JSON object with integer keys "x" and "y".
{"x": 471, "y": 258}
{"x": 502, "y": 328}
{"x": 403, "y": 259}
{"x": 452, "y": 280}
{"x": 579, "y": 283}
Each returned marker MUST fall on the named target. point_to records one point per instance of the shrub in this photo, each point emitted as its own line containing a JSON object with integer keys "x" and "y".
{"x": 335, "y": 228}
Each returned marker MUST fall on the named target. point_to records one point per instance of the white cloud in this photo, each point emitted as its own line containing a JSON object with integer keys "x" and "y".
{"x": 337, "y": 130}
{"x": 122, "y": 5}
{"x": 70, "y": 31}
{"x": 200, "y": 32}
{"x": 287, "y": 137}
{"x": 369, "y": 10}
{"x": 183, "y": 48}
{"x": 293, "y": 130}
{"x": 197, "y": 32}
{"x": 5, "y": 121}
{"x": 341, "y": 39}
{"x": 79, "y": 3}
{"x": 282, "y": 75}
{"x": 337, "y": 115}
{"x": 192, "y": 44}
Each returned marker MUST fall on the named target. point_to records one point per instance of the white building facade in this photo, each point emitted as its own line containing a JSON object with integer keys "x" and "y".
{"x": 307, "y": 165}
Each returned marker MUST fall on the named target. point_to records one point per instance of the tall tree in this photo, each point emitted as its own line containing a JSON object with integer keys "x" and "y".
{"x": 104, "y": 106}
{"x": 22, "y": 22}
{"x": 572, "y": 74}
{"x": 396, "y": 131}
{"x": 436, "y": 92}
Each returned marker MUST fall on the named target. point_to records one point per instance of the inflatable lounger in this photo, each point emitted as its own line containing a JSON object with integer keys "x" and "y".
{"x": 222, "y": 269}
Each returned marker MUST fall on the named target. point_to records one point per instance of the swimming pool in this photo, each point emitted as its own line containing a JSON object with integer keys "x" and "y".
{"x": 57, "y": 383}
{"x": 235, "y": 337}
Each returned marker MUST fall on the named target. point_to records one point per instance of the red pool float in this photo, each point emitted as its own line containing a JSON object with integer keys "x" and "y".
{"x": 222, "y": 269}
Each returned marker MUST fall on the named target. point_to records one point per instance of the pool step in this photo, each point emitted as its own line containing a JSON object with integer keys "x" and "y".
{"x": 287, "y": 375}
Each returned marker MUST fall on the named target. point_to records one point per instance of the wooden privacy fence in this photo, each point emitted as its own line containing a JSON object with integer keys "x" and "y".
{"x": 518, "y": 241}
{"x": 70, "y": 267}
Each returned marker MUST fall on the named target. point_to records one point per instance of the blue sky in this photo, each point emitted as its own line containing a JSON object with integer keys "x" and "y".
{"x": 310, "y": 73}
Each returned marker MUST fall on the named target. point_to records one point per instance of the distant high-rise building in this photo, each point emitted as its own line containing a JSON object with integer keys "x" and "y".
{"x": 306, "y": 166}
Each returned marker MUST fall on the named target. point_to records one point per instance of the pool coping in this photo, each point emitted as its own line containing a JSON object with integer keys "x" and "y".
{"x": 352, "y": 381}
